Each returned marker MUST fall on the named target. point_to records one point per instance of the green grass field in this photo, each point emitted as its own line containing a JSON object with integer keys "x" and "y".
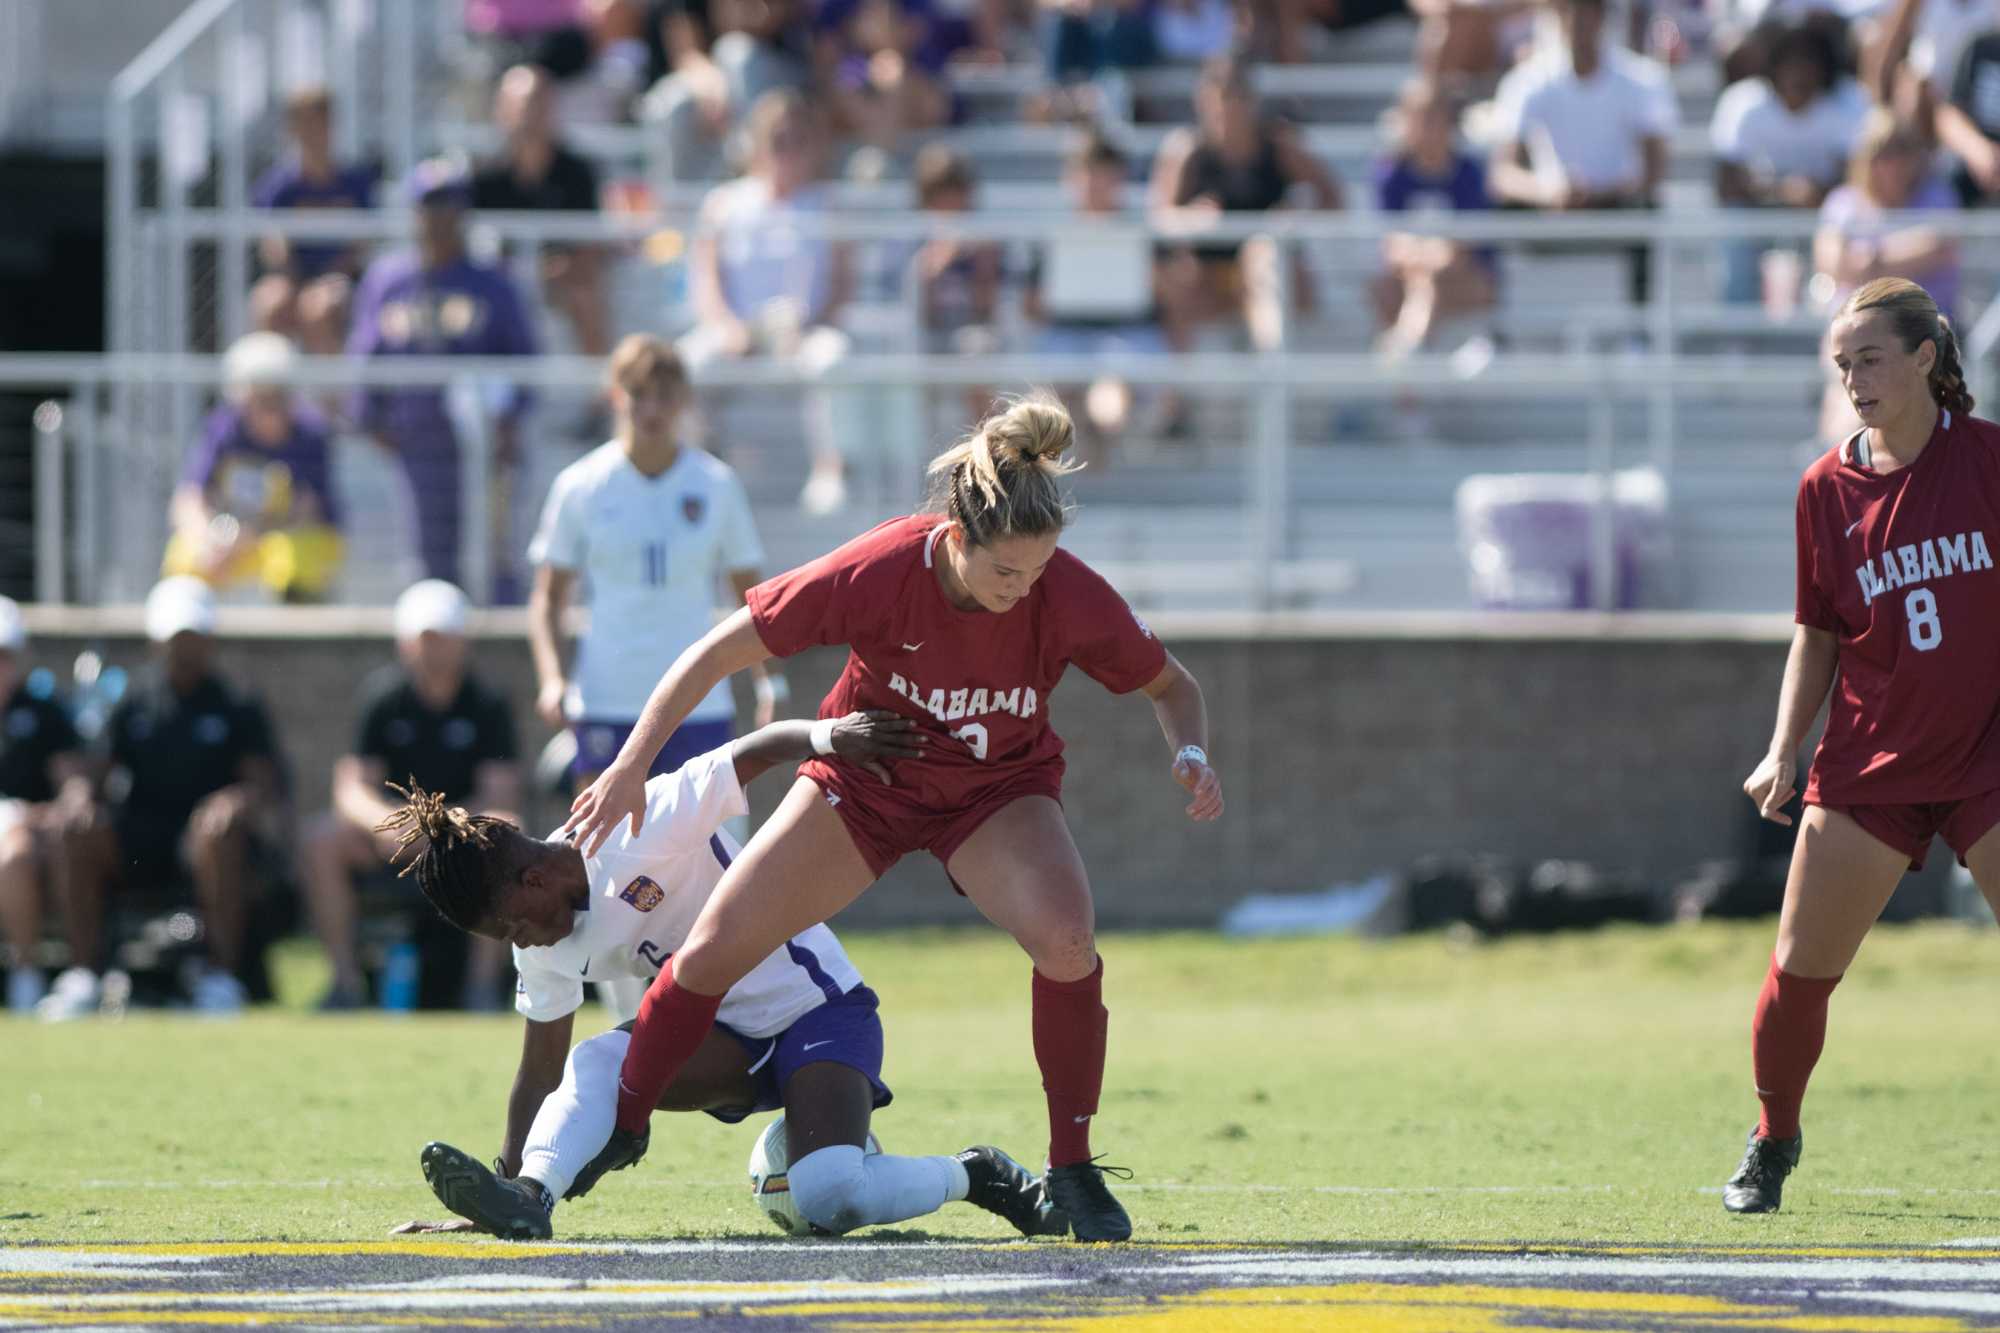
{"x": 1583, "y": 1088}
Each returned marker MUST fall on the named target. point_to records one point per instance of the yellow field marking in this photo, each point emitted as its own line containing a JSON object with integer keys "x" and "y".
{"x": 848, "y": 1309}
{"x": 422, "y": 1249}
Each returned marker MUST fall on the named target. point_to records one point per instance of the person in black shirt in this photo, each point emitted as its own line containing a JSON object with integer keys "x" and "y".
{"x": 536, "y": 172}
{"x": 39, "y": 759}
{"x": 1969, "y": 122}
{"x": 192, "y": 778}
{"x": 427, "y": 722}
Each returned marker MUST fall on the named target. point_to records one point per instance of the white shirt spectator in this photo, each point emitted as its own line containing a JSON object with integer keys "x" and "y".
{"x": 645, "y": 894}
{"x": 1755, "y": 130}
{"x": 1586, "y": 132}
{"x": 1944, "y": 29}
{"x": 766, "y": 260}
{"x": 654, "y": 551}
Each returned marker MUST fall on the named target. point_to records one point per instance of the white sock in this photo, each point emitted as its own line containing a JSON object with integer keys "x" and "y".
{"x": 840, "y": 1188}
{"x": 576, "y": 1120}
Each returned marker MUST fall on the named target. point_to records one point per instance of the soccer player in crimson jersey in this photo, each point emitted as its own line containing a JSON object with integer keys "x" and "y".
{"x": 963, "y": 619}
{"x": 1897, "y": 591}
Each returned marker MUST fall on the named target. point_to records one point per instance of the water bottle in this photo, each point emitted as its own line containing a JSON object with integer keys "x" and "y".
{"x": 400, "y": 974}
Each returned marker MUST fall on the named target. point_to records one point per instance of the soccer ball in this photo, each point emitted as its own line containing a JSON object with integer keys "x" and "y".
{"x": 770, "y": 1191}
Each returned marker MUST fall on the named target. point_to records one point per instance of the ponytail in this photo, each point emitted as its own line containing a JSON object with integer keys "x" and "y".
{"x": 1005, "y": 479}
{"x": 1948, "y": 385}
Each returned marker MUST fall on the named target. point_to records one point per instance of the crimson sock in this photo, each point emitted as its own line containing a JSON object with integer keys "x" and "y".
{"x": 1069, "y": 1023}
{"x": 672, "y": 1024}
{"x": 1785, "y": 1040}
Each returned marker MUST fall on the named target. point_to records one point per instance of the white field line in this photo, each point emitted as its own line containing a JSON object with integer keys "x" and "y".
{"x": 1967, "y": 1302}
{"x": 1162, "y": 1187}
{"x": 1539, "y": 1268}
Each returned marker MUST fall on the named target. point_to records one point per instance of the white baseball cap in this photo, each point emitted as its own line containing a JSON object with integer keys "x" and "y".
{"x": 258, "y": 360}
{"x": 179, "y": 605}
{"x": 13, "y": 629}
{"x": 432, "y": 605}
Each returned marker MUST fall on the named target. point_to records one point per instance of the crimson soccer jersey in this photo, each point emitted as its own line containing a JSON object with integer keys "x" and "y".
{"x": 979, "y": 681}
{"x": 1900, "y": 567}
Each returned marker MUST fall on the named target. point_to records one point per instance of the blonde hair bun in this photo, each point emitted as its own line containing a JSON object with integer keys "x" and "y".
{"x": 1005, "y": 478}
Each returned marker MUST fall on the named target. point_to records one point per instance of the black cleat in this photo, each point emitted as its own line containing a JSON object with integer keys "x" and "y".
{"x": 1003, "y": 1187}
{"x": 1078, "y": 1190}
{"x": 510, "y": 1209}
{"x": 1759, "y": 1183}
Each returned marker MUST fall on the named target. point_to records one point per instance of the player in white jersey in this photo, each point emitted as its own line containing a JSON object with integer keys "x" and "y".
{"x": 654, "y": 527}
{"x": 800, "y": 1031}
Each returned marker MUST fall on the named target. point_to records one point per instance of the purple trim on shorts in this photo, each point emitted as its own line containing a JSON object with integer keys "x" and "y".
{"x": 809, "y": 960}
{"x": 598, "y": 743}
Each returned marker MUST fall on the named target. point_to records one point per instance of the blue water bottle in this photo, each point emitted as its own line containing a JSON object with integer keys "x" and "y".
{"x": 400, "y": 974}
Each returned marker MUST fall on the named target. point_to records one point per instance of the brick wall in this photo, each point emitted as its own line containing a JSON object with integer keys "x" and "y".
{"x": 1345, "y": 745}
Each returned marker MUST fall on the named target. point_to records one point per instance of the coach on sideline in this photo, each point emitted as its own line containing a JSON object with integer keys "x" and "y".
{"x": 425, "y": 721}
{"x": 41, "y": 776}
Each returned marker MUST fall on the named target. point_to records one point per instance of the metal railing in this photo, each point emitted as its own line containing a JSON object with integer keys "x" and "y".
{"x": 101, "y": 494}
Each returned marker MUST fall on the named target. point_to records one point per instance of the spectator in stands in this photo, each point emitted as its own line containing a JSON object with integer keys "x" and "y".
{"x": 428, "y": 721}
{"x": 766, "y": 282}
{"x": 255, "y": 501}
{"x": 537, "y": 172}
{"x": 1469, "y": 39}
{"x": 192, "y": 791}
{"x": 1235, "y": 160}
{"x": 436, "y": 301}
{"x": 512, "y": 30}
{"x": 1782, "y": 141}
{"x": 1584, "y": 125}
{"x": 1082, "y": 39}
{"x": 1968, "y": 122}
{"x": 957, "y": 280}
{"x": 714, "y": 72}
{"x": 1193, "y": 32}
{"x": 1891, "y": 173}
{"x": 599, "y": 65}
{"x": 1102, "y": 293}
{"x": 306, "y": 288}
{"x": 881, "y": 64}
{"x": 1427, "y": 278}
{"x": 1910, "y": 63}
{"x": 42, "y": 783}
{"x": 682, "y": 528}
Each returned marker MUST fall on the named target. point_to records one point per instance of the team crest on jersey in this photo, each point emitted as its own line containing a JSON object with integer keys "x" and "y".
{"x": 643, "y": 894}
{"x": 692, "y": 507}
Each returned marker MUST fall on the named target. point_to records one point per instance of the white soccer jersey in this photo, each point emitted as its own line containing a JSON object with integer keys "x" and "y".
{"x": 645, "y": 894}
{"x": 653, "y": 551}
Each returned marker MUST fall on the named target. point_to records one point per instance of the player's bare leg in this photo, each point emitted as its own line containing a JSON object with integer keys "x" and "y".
{"x": 1983, "y": 860}
{"x": 800, "y": 868}
{"x": 218, "y": 857}
{"x": 1841, "y": 879}
{"x": 1021, "y": 869}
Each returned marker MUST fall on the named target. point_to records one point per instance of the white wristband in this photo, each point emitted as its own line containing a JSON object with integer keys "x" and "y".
{"x": 772, "y": 689}
{"x": 822, "y": 736}
{"x": 1191, "y": 754}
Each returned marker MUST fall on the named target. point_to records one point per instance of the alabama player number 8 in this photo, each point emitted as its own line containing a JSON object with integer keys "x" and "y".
{"x": 974, "y": 737}
{"x": 1925, "y": 631}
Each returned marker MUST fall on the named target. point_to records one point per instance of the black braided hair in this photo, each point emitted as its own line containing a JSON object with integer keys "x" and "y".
{"x": 464, "y": 863}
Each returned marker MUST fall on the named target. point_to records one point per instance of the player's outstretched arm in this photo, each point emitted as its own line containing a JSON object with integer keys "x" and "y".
{"x": 867, "y": 739}
{"x": 620, "y": 791}
{"x": 544, "y": 1048}
{"x": 1177, "y": 701}
{"x": 1809, "y": 672}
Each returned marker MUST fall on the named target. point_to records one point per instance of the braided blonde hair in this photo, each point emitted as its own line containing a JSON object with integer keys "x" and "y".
{"x": 1005, "y": 478}
{"x": 463, "y": 863}
{"x": 1915, "y": 318}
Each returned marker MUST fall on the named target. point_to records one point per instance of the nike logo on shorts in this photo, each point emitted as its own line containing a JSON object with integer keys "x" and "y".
{"x": 815, "y": 1045}
{"x": 1082, "y": 1119}
{"x": 1855, "y": 524}
{"x": 912, "y": 647}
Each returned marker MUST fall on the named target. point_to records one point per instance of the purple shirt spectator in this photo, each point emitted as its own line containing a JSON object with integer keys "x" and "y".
{"x": 462, "y": 309}
{"x": 1402, "y": 187}
{"x": 520, "y": 18}
{"x": 263, "y": 482}
{"x": 286, "y": 186}
{"x": 1858, "y": 218}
